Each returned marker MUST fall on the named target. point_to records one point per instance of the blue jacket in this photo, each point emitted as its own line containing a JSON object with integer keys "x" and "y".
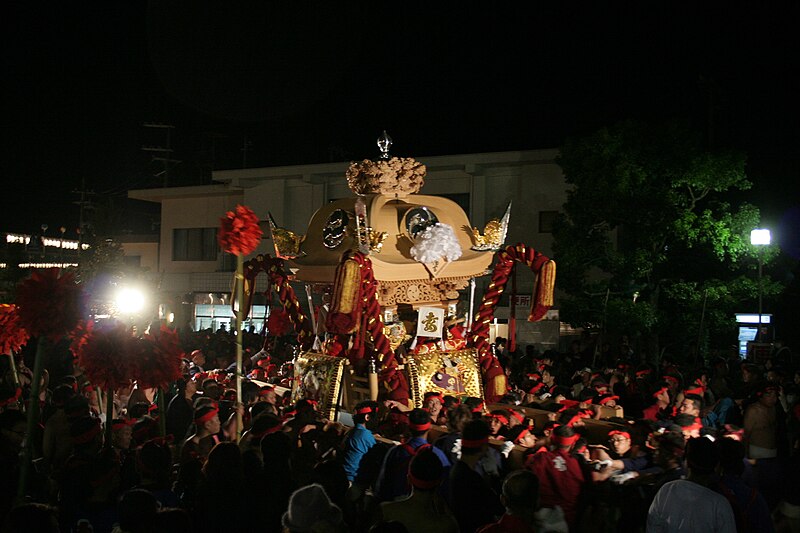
{"x": 358, "y": 442}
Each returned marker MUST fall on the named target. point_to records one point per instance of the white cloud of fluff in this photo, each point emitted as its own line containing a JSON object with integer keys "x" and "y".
{"x": 436, "y": 242}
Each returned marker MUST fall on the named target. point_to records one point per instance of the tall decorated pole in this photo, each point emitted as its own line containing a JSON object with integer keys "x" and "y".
{"x": 239, "y": 234}
{"x": 50, "y": 305}
{"x": 106, "y": 353}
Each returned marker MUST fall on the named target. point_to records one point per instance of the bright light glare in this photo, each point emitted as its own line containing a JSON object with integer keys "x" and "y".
{"x": 760, "y": 237}
{"x": 130, "y": 301}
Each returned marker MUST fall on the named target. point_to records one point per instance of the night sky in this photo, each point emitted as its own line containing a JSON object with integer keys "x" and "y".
{"x": 318, "y": 82}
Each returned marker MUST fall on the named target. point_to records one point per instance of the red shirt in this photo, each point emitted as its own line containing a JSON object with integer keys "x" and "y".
{"x": 560, "y": 480}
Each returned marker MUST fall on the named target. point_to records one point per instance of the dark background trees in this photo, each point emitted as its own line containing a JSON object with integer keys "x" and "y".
{"x": 654, "y": 239}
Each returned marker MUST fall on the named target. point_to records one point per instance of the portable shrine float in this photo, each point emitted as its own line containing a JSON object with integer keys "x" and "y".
{"x": 380, "y": 257}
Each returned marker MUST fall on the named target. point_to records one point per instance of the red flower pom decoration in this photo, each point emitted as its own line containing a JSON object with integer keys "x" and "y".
{"x": 12, "y": 335}
{"x": 239, "y": 232}
{"x": 78, "y": 337}
{"x": 157, "y": 358}
{"x": 278, "y": 322}
{"x": 106, "y": 355}
{"x": 50, "y": 305}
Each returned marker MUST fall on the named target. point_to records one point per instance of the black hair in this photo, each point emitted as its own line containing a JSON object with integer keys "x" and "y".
{"x": 696, "y": 399}
{"x": 360, "y": 418}
{"x": 474, "y": 430}
{"x": 419, "y": 417}
{"x": 521, "y": 490}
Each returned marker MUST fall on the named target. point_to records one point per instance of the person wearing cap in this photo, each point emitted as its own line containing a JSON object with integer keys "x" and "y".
{"x": 360, "y": 439}
{"x": 310, "y": 509}
{"x": 582, "y": 380}
{"x": 424, "y": 509}
{"x": 392, "y": 481}
{"x": 675, "y": 506}
{"x": 560, "y": 475}
{"x": 469, "y": 495}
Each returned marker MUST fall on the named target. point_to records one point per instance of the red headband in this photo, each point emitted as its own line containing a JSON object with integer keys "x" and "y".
{"x": 535, "y": 388}
{"x": 437, "y": 395}
{"x": 202, "y": 419}
{"x": 564, "y": 441}
{"x": 420, "y": 427}
{"x": 501, "y": 418}
{"x": 659, "y": 391}
{"x": 268, "y": 431}
{"x": 478, "y": 408}
{"x": 575, "y": 419}
{"x": 120, "y": 423}
{"x": 697, "y": 390}
{"x": 364, "y": 410}
{"x": 474, "y": 443}
{"x": 607, "y": 399}
{"x": 641, "y": 373}
{"x": 422, "y": 483}
{"x": 265, "y": 391}
{"x": 521, "y": 435}
{"x": 671, "y": 379}
{"x": 618, "y": 432}
{"x": 518, "y": 416}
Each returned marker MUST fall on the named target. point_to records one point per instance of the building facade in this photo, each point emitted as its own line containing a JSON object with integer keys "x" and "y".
{"x": 195, "y": 277}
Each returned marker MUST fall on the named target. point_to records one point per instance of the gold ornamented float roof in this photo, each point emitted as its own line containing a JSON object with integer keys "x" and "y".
{"x": 388, "y": 220}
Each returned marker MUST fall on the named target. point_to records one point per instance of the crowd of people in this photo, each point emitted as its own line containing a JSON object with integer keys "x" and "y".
{"x": 685, "y": 446}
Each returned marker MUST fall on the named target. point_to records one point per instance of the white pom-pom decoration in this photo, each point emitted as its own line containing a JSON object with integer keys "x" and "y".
{"x": 436, "y": 242}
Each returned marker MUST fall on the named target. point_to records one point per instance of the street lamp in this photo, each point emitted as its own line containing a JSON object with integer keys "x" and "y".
{"x": 760, "y": 237}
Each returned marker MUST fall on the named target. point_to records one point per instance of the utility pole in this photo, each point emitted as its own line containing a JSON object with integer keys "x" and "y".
{"x": 167, "y": 150}
{"x": 246, "y": 145}
{"x": 83, "y": 204}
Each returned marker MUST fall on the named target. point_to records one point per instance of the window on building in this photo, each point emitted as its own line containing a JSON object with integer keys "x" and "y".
{"x": 546, "y": 220}
{"x": 194, "y": 244}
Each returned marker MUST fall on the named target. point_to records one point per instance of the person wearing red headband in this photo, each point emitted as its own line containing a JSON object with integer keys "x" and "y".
{"x": 424, "y": 509}
{"x": 560, "y": 475}
{"x": 498, "y": 422}
{"x": 521, "y": 435}
{"x": 392, "y": 480}
{"x": 471, "y": 497}
{"x": 360, "y": 439}
{"x": 516, "y": 418}
{"x": 660, "y": 398}
{"x": 434, "y": 403}
{"x": 207, "y": 426}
